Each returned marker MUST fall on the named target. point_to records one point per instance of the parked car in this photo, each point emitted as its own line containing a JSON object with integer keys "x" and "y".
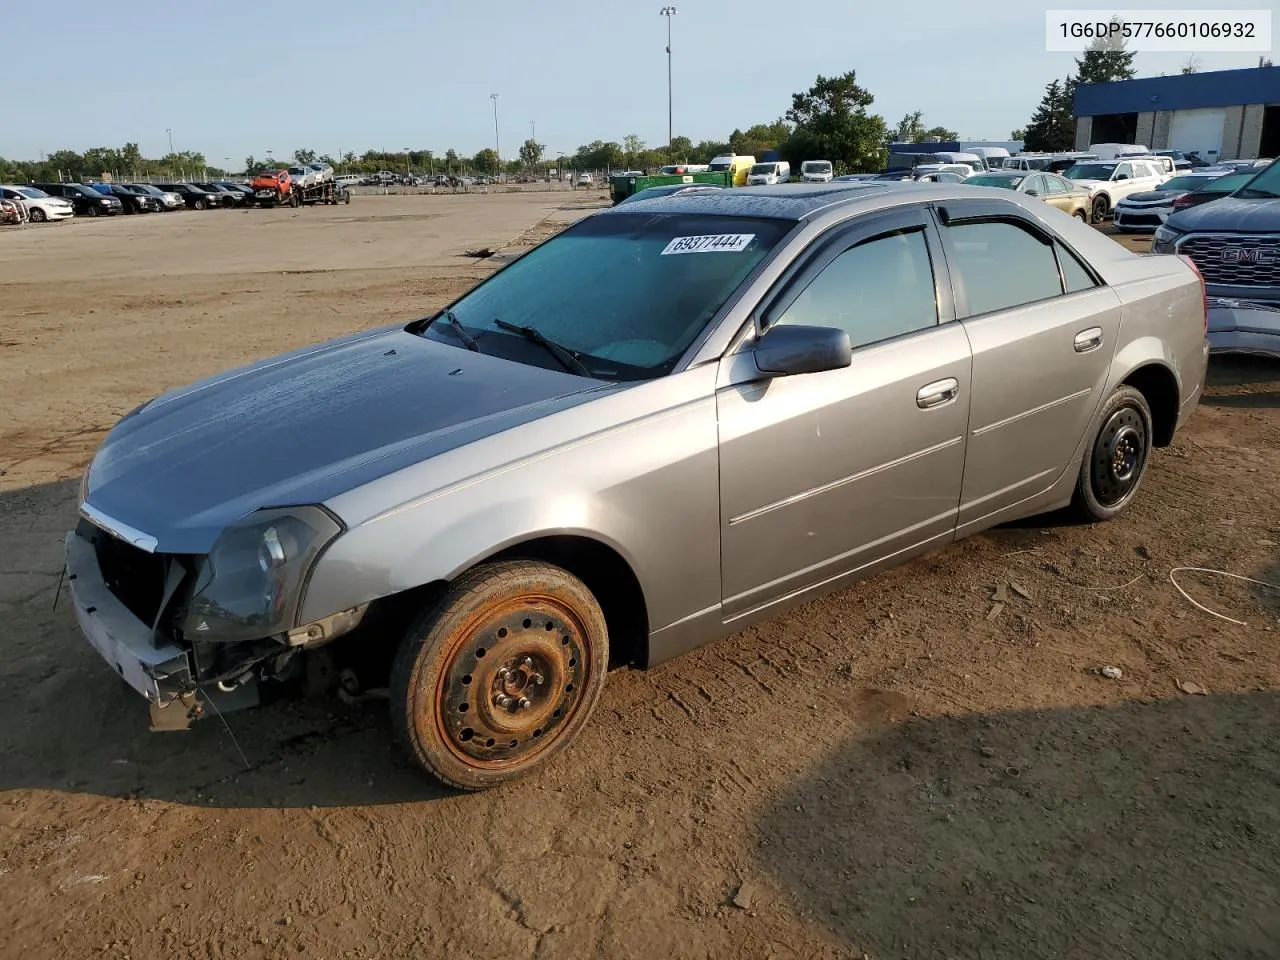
{"x": 1143, "y": 212}
{"x": 669, "y": 190}
{"x": 40, "y": 206}
{"x": 942, "y": 176}
{"x": 816, "y": 171}
{"x": 12, "y": 212}
{"x": 197, "y": 198}
{"x": 168, "y": 198}
{"x": 1180, "y": 160}
{"x": 131, "y": 199}
{"x": 1052, "y": 189}
{"x": 855, "y": 177}
{"x": 237, "y": 187}
{"x": 515, "y": 544}
{"x": 1215, "y": 189}
{"x": 1235, "y": 241}
{"x": 1110, "y": 181}
{"x": 224, "y": 196}
{"x": 348, "y": 179}
{"x": 85, "y": 200}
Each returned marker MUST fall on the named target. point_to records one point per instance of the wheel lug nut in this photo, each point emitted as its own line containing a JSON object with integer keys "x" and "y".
{"x": 503, "y": 672}
{"x": 537, "y": 678}
{"x": 502, "y": 700}
{"x": 527, "y": 661}
{"x": 524, "y": 703}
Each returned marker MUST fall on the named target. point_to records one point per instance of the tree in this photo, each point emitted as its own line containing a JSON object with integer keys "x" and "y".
{"x": 940, "y": 133}
{"x": 631, "y": 146}
{"x": 1018, "y": 134}
{"x": 760, "y": 138}
{"x": 910, "y": 129}
{"x": 1106, "y": 59}
{"x": 531, "y": 153}
{"x": 486, "y": 161}
{"x": 833, "y": 112}
{"x": 253, "y": 167}
{"x": 1052, "y": 126}
{"x": 451, "y": 160}
{"x": 678, "y": 149}
{"x": 1192, "y": 65}
{"x": 303, "y": 155}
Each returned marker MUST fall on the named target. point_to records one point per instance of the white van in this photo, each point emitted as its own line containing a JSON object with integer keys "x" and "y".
{"x": 773, "y": 171}
{"x": 993, "y": 157}
{"x": 816, "y": 171}
{"x": 1114, "y": 151}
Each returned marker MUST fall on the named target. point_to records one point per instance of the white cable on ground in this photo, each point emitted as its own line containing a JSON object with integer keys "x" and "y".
{"x": 1218, "y": 573}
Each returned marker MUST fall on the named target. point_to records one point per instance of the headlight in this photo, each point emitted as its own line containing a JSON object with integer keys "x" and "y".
{"x": 1164, "y": 237}
{"x": 250, "y": 584}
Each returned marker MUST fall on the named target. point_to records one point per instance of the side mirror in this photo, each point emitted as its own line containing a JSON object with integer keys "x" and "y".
{"x": 1122, "y": 176}
{"x": 784, "y": 351}
{"x": 1033, "y": 193}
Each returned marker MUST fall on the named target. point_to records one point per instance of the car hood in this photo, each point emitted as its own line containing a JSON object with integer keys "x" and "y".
{"x": 1228, "y": 214}
{"x": 1090, "y": 185}
{"x": 1151, "y": 196}
{"x": 307, "y": 426}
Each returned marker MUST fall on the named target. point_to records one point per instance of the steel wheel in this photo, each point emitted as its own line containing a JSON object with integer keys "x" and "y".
{"x": 1118, "y": 456}
{"x": 502, "y": 673}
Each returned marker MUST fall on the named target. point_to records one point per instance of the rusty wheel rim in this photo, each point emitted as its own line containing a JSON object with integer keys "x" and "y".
{"x": 516, "y": 676}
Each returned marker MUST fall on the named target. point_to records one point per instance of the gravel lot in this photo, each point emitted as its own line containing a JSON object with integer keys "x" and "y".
{"x": 893, "y": 771}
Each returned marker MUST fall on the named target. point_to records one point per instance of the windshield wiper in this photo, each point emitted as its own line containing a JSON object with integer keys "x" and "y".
{"x": 566, "y": 356}
{"x": 454, "y": 324}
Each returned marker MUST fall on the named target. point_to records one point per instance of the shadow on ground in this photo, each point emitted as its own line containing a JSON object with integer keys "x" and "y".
{"x": 1143, "y": 831}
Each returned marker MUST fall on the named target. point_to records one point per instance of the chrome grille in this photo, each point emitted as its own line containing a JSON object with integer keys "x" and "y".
{"x": 1235, "y": 259}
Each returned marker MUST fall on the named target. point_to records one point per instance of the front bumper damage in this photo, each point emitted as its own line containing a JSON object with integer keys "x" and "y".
{"x": 1244, "y": 326}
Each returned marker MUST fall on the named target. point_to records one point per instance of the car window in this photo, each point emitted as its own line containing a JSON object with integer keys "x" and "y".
{"x": 878, "y": 289}
{"x": 1124, "y": 171}
{"x": 1074, "y": 274}
{"x": 1002, "y": 265}
{"x": 1034, "y": 184}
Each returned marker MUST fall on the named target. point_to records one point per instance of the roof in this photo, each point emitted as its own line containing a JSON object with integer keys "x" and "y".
{"x": 1213, "y": 88}
{"x": 781, "y": 201}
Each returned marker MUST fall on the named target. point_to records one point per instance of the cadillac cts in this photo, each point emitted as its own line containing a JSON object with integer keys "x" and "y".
{"x": 673, "y": 419}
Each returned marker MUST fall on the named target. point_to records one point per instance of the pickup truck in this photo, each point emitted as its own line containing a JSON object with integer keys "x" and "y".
{"x": 1235, "y": 243}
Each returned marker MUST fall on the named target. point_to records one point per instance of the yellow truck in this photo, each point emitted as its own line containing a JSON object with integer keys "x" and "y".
{"x": 737, "y": 165}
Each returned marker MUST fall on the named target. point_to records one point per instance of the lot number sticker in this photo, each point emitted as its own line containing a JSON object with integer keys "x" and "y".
{"x": 712, "y": 243}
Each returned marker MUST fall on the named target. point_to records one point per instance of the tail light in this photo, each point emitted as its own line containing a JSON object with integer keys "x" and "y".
{"x": 1183, "y": 201}
{"x": 1204, "y": 296}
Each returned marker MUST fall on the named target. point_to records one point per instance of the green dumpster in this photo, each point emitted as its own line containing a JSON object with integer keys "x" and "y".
{"x": 621, "y": 187}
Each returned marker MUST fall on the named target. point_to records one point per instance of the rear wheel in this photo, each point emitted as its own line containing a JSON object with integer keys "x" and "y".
{"x": 1117, "y": 459}
{"x": 1100, "y": 209}
{"x": 1081, "y": 215}
{"x": 500, "y": 675}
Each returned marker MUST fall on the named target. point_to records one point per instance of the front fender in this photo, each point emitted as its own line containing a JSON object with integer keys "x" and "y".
{"x": 643, "y": 481}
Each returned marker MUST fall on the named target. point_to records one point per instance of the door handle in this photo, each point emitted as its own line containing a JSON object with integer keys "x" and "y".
{"x": 937, "y": 393}
{"x": 1087, "y": 340}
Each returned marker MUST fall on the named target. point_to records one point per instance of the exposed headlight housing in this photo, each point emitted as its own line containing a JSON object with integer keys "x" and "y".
{"x": 251, "y": 583}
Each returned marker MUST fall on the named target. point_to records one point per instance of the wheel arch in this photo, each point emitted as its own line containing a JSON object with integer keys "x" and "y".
{"x": 1159, "y": 387}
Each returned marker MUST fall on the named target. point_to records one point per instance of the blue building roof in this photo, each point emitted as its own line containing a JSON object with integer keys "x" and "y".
{"x": 1215, "y": 88}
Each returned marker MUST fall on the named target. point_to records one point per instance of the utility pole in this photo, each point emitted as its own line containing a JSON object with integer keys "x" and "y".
{"x": 497, "y": 147}
{"x": 669, "y": 12}
{"x": 169, "y": 131}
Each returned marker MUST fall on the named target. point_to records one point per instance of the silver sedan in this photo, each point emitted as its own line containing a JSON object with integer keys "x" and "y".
{"x": 673, "y": 419}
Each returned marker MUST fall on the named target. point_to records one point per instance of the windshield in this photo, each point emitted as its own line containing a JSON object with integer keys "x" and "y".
{"x": 1184, "y": 183}
{"x": 33, "y": 193}
{"x": 994, "y": 180}
{"x": 626, "y": 292}
{"x": 1231, "y": 183}
{"x": 1090, "y": 171}
{"x": 816, "y": 166}
{"x": 717, "y": 165}
{"x": 1265, "y": 184}
{"x": 765, "y": 168}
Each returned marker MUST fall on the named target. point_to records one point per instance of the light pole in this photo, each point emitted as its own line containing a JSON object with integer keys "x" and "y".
{"x": 407, "y": 170}
{"x": 497, "y": 148}
{"x": 169, "y": 131}
{"x": 669, "y": 12}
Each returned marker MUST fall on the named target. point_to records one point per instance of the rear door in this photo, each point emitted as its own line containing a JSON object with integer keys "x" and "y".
{"x": 1043, "y": 330}
{"x": 825, "y": 474}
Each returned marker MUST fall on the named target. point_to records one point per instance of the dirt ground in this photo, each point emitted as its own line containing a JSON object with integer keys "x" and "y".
{"x": 913, "y": 768}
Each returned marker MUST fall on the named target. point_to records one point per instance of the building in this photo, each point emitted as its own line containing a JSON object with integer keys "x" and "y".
{"x": 1220, "y": 114}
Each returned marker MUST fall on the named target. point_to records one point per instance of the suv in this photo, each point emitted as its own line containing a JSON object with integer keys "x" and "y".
{"x": 134, "y": 200}
{"x": 87, "y": 201}
{"x": 1235, "y": 243}
{"x": 193, "y": 196}
{"x": 1110, "y": 181}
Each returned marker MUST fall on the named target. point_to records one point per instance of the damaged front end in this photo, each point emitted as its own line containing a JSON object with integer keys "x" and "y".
{"x": 186, "y": 630}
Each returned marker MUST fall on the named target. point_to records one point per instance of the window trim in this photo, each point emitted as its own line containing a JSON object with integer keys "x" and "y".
{"x": 839, "y": 239}
{"x": 991, "y": 211}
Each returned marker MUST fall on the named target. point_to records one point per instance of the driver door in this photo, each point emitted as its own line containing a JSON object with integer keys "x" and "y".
{"x": 825, "y": 475}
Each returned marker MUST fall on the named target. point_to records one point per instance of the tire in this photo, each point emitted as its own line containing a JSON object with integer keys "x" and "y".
{"x": 92, "y": 210}
{"x": 499, "y": 675}
{"x": 1117, "y": 460}
{"x": 295, "y": 201}
{"x": 37, "y": 215}
{"x": 1081, "y": 216}
{"x": 197, "y": 205}
{"x": 1100, "y": 209}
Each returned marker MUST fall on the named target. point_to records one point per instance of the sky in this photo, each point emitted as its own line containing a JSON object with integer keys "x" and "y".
{"x": 339, "y": 76}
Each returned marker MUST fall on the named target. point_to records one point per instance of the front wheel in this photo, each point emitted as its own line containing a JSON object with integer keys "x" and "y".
{"x": 1117, "y": 459}
{"x": 1100, "y": 209}
{"x": 501, "y": 674}
{"x": 38, "y": 215}
{"x": 198, "y": 205}
{"x": 92, "y": 210}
